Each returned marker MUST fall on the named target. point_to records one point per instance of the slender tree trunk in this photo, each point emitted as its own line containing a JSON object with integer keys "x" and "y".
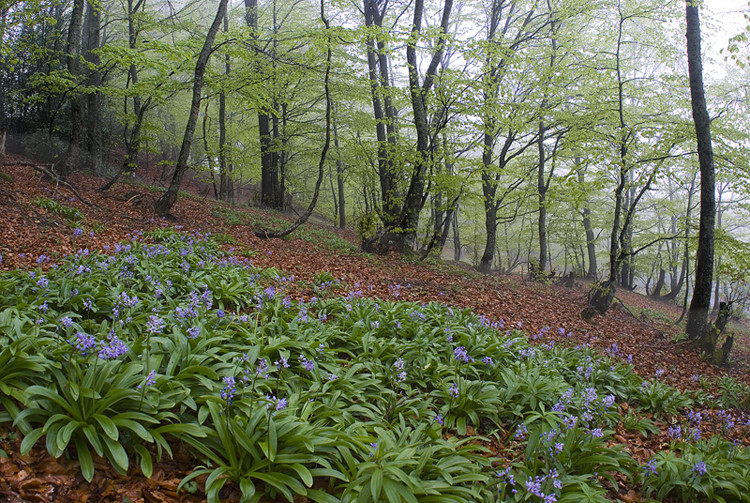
{"x": 403, "y": 236}
{"x": 72, "y": 157}
{"x": 167, "y": 200}
{"x": 717, "y": 283}
{"x": 697, "y": 316}
{"x": 588, "y": 229}
{"x": 3, "y": 134}
{"x": 226, "y": 192}
{"x": 321, "y": 164}
{"x": 456, "y": 238}
{"x": 132, "y": 134}
{"x": 490, "y": 226}
{"x": 94, "y": 138}
{"x": 541, "y": 187}
{"x": 603, "y": 293}
{"x": 341, "y": 203}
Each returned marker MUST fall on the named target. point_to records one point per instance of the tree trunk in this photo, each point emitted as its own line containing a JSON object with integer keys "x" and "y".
{"x": 697, "y": 316}
{"x": 656, "y": 293}
{"x": 226, "y": 191}
{"x": 321, "y": 164}
{"x": 93, "y": 38}
{"x": 341, "y": 203}
{"x": 167, "y": 200}
{"x": 603, "y": 293}
{"x": 456, "y": 238}
{"x": 541, "y": 187}
{"x": 403, "y": 236}
{"x": 72, "y": 157}
{"x": 383, "y": 111}
{"x": 588, "y": 229}
{"x": 3, "y": 134}
{"x": 490, "y": 226}
{"x": 132, "y": 135}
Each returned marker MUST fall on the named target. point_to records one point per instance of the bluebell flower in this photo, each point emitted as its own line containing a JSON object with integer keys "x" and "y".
{"x": 155, "y": 325}
{"x": 84, "y": 342}
{"x": 454, "y": 390}
{"x": 262, "y": 369}
{"x": 700, "y": 468}
{"x": 281, "y": 362}
{"x": 66, "y": 321}
{"x": 650, "y": 468}
{"x": 307, "y": 364}
{"x": 77, "y": 232}
{"x": 462, "y": 355}
{"x": 193, "y": 332}
{"x": 113, "y": 348}
{"x": 150, "y": 379}
{"x": 229, "y": 389}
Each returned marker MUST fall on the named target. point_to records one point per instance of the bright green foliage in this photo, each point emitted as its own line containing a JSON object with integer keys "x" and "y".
{"x": 70, "y": 213}
{"x": 343, "y": 398}
{"x": 713, "y": 470}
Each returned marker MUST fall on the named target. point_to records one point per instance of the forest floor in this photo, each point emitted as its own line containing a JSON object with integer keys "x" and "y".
{"x": 639, "y": 326}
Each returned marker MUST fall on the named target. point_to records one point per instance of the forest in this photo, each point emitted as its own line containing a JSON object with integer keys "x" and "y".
{"x": 603, "y": 142}
{"x": 521, "y": 135}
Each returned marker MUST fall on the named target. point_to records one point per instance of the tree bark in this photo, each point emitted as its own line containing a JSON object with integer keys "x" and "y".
{"x": 3, "y": 134}
{"x": 93, "y": 127}
{"x": 456, "y": 238}
{"x": 341, "y": 200}
{"x": 697, "y": 316}
{"x": 541, "y": 187}
{"x": 167, "y": 200}
{"x": 323, "y": 153}
{"x": 589, "y": 231}
{"x": 226, "y": 189}
{"x": 72, "y": 157}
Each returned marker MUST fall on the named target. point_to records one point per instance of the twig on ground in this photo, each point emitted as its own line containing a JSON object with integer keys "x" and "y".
{"x": 51, "y": 174}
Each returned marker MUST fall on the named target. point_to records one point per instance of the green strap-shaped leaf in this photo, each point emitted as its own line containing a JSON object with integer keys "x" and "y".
{"x": 376, "y": 484}
{"x": 84, "y": 458}
{"x": 93, "y": 437}
{"x": 117, "y": 453}
{"x": 147, "y": 466}
{"x": 248, "y": 489}
{"x": 108, "y": 426}
{"x": 30, "y": 439}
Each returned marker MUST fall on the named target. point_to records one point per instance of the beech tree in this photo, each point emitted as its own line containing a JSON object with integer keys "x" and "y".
{"x": 165, "y": 202}
{"x": 697, "y": 319}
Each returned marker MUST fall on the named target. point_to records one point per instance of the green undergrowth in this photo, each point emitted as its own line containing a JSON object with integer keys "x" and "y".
{"x": 257, "y": 220}
{"x": 339, "y": 398}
